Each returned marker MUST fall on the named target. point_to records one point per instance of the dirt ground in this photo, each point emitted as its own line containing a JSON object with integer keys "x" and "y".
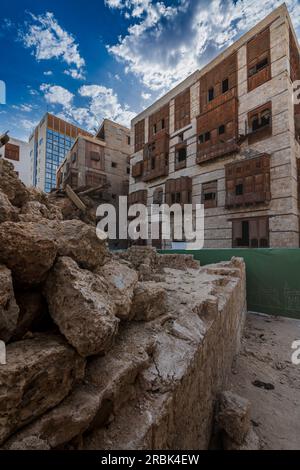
{"x": 265, "y": 357}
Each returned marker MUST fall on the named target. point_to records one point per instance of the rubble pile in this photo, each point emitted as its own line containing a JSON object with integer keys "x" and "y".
{"x": 106, "y": 351}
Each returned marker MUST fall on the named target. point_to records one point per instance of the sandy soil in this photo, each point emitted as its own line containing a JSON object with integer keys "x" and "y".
{"x": 265, "y": 357}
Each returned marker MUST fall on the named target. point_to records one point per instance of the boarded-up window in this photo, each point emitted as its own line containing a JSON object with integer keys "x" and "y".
{"x": 248, "y": 182}
{"x": 259, "y": 59}
{"x": 260, "y": 123}
{"x": 159, "y": 121}
{"x": 139, "y": 135}
{"x": 12, "y": 152}
{"x": 182, "y": 110}
{"x": 94, "y": 156}
{"x": 179, "y": 191}
{"x": 250, "y": 233}
{"x": 209, "y": 194}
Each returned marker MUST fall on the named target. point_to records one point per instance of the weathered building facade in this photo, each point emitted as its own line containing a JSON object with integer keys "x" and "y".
{"x": 229, "y": 137}
{"x": 100, "y": 161}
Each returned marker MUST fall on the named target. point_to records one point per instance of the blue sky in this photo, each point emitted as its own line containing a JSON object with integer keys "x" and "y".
{"x": 88, "y": 60}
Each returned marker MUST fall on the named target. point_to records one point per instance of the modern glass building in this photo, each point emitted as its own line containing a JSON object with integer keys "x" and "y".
{"x": 49, "y": 143}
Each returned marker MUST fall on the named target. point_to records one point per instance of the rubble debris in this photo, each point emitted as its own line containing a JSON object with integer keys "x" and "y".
{"x": 121, "y": 281}
{"x": 7, "y": 211}
{"x": 250, "y": 442}
{"x": 106, "y": 350}
{"x": 39, "y": 374}
{"x": 12, "y": 186}
{"x": 234, "y": 416}
{"x": 29, "y": 443}
{"x": 32, "y": 307}
{"x": 80, "y": 305}
{"x": 9, "y": 310}
{"x": 150, "y": 301}
{"x": 79, "y": 241}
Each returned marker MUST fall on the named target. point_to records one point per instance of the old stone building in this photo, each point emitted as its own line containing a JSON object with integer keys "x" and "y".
{"x": 229, "y": 137}
{"x": 98, "y": 161}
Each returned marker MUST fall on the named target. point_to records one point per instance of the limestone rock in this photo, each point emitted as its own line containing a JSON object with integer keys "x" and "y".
{"x": 29, "y": 443}
{"x": 11, "y": 185}
{"x": 28, "y": 250}
{"x": 39, "y": 374}
{"x": 234, "y": 416}
{"x": 150, "y": 301}
{"x": 61, "y": 424}
{"x": 80, "y": 242}
{"x": 80, "y": 305}
{"x": 32, "y": 307}
{"x": 121, "y": 283}
{"x": 34, "y": 211}
{"x": 251, "y": 442}
{"x": 7, "y": 210}
{"x": 9, "y": 311}
{"x": 176, "y": 261}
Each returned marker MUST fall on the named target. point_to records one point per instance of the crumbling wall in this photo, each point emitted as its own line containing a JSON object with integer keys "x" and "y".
{"x": 107, "y": 351}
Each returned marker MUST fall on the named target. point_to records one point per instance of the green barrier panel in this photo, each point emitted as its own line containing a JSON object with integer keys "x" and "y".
{"x": 273, "y": 276}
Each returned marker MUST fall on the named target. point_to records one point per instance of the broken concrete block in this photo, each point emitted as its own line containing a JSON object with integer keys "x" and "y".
{"x": 40, "y": 372}
{"x": 60, "y": 425}
{"x": 7, "y": 211}
{"x": 80, "y": 305}
{"x": 121, "y": 284}
{"x": 149, "y": 302}
{"x": 234, "y": 416}
{"x": 9, "y": 310}
{"x": 27, "y": 250}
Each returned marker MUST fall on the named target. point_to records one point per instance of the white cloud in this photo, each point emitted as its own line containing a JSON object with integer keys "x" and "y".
{"x": 28, "y": 125}
{"x": 102, "y": 103}
{"x": 55, "y": 94}
{"x": 48, "y": 73}
{"x": 76, "y": 74}
{"x": 26, "y": 108}
{"x": 164, "y": 45}
{"x": 49, "y": 40}
{"x": 146, "y": 96}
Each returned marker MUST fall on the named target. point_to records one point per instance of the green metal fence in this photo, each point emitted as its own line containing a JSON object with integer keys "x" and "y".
{"x": 273, "y": 277}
